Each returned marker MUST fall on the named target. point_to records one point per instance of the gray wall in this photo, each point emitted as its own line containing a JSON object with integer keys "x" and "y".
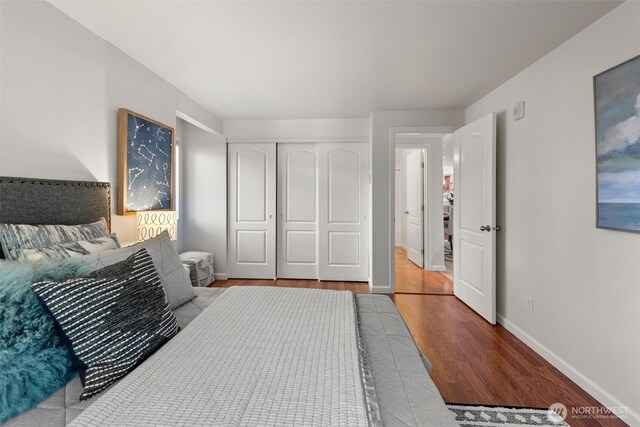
{"x": 61, "y": 89}
{"x": 203, "y": 158}
{"x": 585, "y": 282}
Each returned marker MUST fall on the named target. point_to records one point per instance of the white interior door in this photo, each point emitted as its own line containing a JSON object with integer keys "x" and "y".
{"x": 414, "y": 211}
{"x": 343, "y": 202}
{"x": 252, "y": 208}
{"x": 298, "y": 211}
{"x": 399, "y": 215}
{"x": 474, "y": 229}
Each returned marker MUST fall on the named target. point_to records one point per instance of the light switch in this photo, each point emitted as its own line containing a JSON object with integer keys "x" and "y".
{"x": 518, "y": 110}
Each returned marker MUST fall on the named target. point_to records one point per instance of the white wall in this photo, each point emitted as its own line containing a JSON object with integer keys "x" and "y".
{"x": 61, "y": 89}
{"x": 204, "y": 194}
{"x": 382, "y": 190}
{"x": 313, "y": 130}
{"x": 585, "y": 282}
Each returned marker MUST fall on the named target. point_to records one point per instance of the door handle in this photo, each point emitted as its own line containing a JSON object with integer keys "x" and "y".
{"x": 485, "y": 228}
{"x": 406, "y": 212}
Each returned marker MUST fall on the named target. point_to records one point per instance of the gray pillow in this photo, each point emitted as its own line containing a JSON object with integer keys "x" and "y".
{"x": 23, "y": 236}
{"x": 175, "y": 280}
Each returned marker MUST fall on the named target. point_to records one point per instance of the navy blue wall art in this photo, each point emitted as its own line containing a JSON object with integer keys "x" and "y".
{"x": 145, "y": 164}
{"x": 617, "y": 108}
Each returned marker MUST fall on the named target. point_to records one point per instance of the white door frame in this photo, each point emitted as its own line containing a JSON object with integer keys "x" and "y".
{"x": 431, "y": 227}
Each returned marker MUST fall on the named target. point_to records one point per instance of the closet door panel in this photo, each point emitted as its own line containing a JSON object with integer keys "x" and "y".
{"x": 300, "y": 182}
{"x": 344, "y": 248}
{"x": 297, "y": 211}
{"x": 252, "y": 180}
{"x": 252, "y": 207}
{"x": 343, "y": 186}
{"x": 301, "y": 247}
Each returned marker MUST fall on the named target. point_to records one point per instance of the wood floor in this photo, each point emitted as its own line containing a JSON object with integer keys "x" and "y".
{"x": 473, "y": 362}
{"x": 412, "y": 279}
{"x": 355, "y": 287}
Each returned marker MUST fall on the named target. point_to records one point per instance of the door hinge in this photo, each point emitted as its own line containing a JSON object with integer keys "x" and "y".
{"x": 422, "y": 251}
{"x": 422, "y": 165}
{"x": 422, "y": 207}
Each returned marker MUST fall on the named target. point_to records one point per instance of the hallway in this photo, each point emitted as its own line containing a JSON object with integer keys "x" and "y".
{"x": 411, "y": 279}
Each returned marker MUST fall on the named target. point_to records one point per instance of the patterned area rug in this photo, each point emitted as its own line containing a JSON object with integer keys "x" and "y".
{"x": 487, "y": 416}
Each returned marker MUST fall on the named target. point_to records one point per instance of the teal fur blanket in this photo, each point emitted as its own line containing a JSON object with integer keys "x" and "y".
{"x": 33, "y": 361}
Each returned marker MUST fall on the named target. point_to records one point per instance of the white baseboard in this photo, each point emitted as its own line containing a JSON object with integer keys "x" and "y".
{"x": 437, "y": 268}
{"x": 220, "y": 276}
{"x": 600, "y": 394}
{"x": 380, "y": 289}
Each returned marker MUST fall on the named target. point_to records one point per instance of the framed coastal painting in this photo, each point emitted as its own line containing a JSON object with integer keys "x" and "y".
{"x": 145, "y": 164}
{"x": 617, "y": 118}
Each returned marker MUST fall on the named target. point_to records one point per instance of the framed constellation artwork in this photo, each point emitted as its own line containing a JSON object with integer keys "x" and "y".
{"x": 145, "y": 164}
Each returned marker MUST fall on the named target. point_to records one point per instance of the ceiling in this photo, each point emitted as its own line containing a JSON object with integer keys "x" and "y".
{"x": 332, "y": 59}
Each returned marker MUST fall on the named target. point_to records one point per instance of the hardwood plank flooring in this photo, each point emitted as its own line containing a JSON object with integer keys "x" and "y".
{"x": 412, "y": 279}
{"x": 355, "y": 287}
{"x": 473, "y": 362}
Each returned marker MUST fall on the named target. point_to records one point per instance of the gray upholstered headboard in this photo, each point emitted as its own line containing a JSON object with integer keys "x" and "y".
{"x": 52, "y": 201}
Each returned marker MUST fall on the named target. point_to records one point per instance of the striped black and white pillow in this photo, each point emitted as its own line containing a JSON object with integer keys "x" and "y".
{"x": 111, "y": 320}
{"x": 14, "y": 237}
{"x": 67, "y": 250}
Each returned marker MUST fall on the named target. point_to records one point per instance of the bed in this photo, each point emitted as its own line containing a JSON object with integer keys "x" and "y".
{"x": 404, "y": 393}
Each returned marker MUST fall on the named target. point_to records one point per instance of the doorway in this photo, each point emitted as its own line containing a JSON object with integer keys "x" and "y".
{"x": 474, "y": 210}
{"x": 448, "y": 194}
{"x": 421, "y": 244}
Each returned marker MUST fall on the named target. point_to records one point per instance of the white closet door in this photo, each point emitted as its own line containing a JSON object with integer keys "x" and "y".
{"x": 297, "y": 211}
{"x": 343, "y": 202}
{"x": 252, "y": 208}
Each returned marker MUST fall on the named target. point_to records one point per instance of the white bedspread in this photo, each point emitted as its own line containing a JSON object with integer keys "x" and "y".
{"x": 256, "y": 356}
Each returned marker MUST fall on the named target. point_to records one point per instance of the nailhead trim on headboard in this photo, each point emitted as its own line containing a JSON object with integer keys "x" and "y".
{"x": 55, "y": 182}
{"x": 66, "y": 183}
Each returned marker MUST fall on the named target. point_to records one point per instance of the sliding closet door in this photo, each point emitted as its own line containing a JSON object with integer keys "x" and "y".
{"x": 343, "y": 201}
{"x": 297, "y": 211}
{"x": 252, "y": 208}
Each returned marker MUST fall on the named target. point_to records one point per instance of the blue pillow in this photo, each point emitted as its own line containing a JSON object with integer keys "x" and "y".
{"x": 33, "y": 360}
